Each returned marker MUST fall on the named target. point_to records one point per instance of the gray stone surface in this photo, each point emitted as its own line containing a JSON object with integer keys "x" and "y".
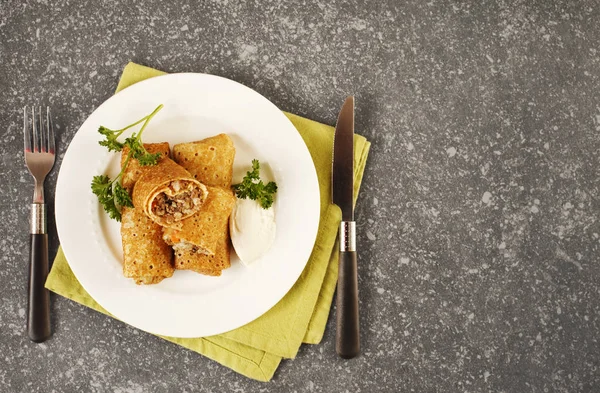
{"x": 478, "y": 219}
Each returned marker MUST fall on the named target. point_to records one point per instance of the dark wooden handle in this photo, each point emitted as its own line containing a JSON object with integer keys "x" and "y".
{"x": 38, "y": 307}
{"x": 348, "y": 337}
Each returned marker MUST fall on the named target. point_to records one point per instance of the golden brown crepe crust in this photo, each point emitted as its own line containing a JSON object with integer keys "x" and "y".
{"x": 210, "y": 160}
{"x": 157, "y": 179}
{"x": 141, "y": 237}
{"x": 205, "y": 228}
{"x": 134, "y": 170}
{"x": 146, "y": 257}
{"x": 210, "y": 265}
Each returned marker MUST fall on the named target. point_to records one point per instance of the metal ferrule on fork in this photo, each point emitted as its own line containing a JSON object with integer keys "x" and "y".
{"x": 348, "y": 236}
{"x": 37, "y": 224}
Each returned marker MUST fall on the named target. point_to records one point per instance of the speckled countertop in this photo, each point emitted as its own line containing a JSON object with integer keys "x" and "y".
{"x": 478, "y": 219}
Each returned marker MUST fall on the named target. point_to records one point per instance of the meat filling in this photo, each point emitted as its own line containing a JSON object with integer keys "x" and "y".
{"x": 174, "y": 207}
{"x": 184, "y": 246}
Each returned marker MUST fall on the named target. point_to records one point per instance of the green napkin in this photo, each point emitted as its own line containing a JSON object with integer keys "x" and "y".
{"x": 256, "y": 349}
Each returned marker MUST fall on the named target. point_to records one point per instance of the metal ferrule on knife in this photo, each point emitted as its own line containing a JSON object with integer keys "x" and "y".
{"x": 348, "y": 236}
{"x": 37, "y": 224}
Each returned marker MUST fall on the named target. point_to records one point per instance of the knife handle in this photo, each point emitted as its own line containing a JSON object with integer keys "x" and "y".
{"x": 38, "y": 306}
{"x": 348, "y": 339}
{"x": 348, "y": 332}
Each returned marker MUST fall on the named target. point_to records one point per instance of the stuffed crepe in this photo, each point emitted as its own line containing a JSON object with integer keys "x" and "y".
{"x": 167, "y": 193}
{"x": 210, "y": 160}
{"x": 147, "y": 259}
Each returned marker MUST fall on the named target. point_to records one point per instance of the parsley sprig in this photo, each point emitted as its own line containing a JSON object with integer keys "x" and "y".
{"x": 111, "y": 195}
{"x": 253, "y": 188}
{"x": 110, "y": 192}
{"x": 134, "y": 142}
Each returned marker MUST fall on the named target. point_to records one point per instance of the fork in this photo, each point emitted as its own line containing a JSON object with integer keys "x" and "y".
{"x": 38, "y": 139}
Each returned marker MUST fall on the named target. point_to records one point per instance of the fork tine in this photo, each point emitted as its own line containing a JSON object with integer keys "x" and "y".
{"x": 26, "y": 132}
{"x": 36, "y": 145}
{"x": 42, "y": 131}
{"x": 50, "y": 131}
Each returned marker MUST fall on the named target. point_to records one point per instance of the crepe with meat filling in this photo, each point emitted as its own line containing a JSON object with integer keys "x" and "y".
{"x": 147, "y": 259}
{"x": 167, "y": 193}
{"x": 203, "y": 231}
{"x": 210, "y": 265}
{"x": 211, "y": 162}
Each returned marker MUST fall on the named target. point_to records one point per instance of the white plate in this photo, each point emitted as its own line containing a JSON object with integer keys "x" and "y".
{"x": 188, "y": 304}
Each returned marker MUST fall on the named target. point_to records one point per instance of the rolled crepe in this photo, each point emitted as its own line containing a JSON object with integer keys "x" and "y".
{"x": 210, "y": 160}
{"x": 147, "y": 259}
{"x": 134, "y": 170}
{"x": 167, "y": 193}
{"x": 211, "y": 265}
{"x": 203, "y": 231}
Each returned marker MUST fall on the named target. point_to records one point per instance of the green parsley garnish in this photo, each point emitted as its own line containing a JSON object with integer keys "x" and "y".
{"x": 254, "y": 188}
{"x": 134, "y": 142}
{"x": 110, "y": 192}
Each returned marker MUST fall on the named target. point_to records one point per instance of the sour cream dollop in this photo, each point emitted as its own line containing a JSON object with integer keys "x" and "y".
{"x": 252, "y": 230}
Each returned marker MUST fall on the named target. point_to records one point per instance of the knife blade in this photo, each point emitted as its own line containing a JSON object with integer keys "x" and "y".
{"x": 342, "y": 183}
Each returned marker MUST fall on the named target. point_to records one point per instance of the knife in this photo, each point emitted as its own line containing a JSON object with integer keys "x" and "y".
{"x": 342, "y": 183}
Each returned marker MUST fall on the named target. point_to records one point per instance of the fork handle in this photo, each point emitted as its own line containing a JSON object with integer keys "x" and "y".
{"x": 38, "y": 306}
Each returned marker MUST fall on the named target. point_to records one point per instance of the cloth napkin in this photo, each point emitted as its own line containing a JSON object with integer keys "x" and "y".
{"x": 256, "y": 349}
